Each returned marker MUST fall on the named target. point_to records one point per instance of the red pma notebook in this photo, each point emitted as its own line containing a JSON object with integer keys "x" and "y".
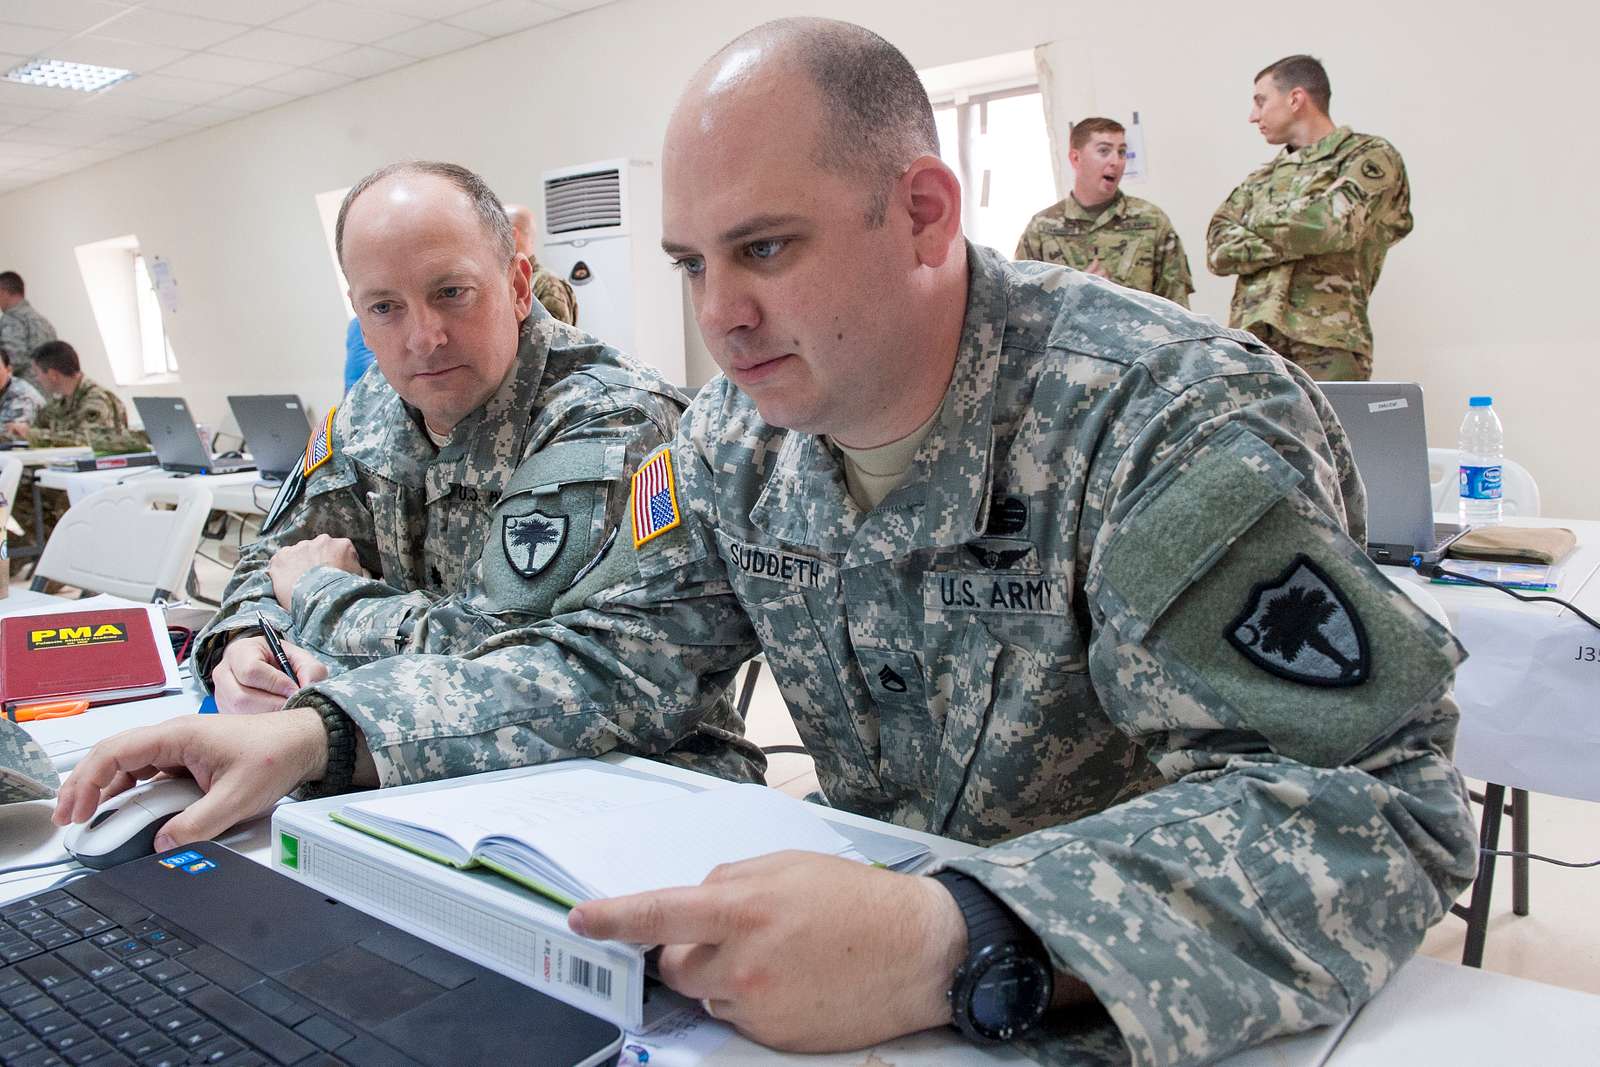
{"x": 102, "y": 655}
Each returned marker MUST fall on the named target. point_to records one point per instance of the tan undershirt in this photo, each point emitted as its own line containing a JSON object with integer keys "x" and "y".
{"x": 873, "y": 473}
{"x": 439, "y": 439}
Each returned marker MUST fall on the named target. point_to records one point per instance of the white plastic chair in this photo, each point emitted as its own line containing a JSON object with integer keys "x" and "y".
{"x": 10, "y": 479}
{"x": 116, "y": 541}
{"x": 1518, "y": 491}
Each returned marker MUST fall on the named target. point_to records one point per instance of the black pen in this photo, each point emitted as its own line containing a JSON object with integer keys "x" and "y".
{"x": 277, "y": 647}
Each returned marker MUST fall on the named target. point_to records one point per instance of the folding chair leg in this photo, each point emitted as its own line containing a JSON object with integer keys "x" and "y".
{"x": 1477, "y": 911}
{"x": 1519, "y": 843}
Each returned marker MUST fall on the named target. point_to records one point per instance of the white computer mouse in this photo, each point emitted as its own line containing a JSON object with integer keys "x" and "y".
{"x": 125, "y": 827}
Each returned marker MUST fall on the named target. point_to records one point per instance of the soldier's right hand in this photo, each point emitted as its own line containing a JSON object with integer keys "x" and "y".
{"x": 245, "y": 764}
{"x": 248, "y": 681}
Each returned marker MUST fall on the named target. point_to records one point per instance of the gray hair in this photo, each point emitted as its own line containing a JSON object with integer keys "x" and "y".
{"x": 484, "y": 202}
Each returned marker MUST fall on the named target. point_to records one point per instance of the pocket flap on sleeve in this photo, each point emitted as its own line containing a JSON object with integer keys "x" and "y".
{"x": 1181, "y": 527}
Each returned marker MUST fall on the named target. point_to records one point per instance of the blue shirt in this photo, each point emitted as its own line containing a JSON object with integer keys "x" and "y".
{"x": 357, "y": 356}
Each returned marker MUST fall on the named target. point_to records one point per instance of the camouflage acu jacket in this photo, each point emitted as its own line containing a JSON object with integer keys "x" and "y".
{"x": 1114, "y": 627}
{"x": 470, "y": 546}
{"x": 1307, "y": 235}
{"x": 19, "y": 402}
{"x": 22, "y": 329}
{"x": 1133, "y": 240}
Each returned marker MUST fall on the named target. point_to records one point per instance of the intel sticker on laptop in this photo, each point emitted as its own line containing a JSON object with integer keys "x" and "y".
{"x": 180, "y": 859}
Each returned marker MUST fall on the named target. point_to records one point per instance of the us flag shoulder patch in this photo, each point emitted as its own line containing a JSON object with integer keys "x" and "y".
{"x": 320, "y": 448}
{"x": 655, "y": 498}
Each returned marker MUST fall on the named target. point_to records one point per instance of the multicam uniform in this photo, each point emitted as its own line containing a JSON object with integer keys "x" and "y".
{"x": 554, "y": 293}
{"x": 473, "y": 544}
{"x": 1114, "y": 627}
{"x": 1307, "y": 235}
{"x": 93, "y": 416}
{"x": 1132, "y": 238}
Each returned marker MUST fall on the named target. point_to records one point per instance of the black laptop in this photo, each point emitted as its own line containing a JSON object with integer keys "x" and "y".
{"x": 204, "y": 956}
{"x": 275, "y": 428}
{"x": 176, "y": 439}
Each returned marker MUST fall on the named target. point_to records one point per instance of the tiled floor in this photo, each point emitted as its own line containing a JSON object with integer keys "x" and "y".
{"x": 1559, "y": 942}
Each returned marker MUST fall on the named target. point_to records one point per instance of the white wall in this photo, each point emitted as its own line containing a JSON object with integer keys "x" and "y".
{"x": 1488, "y": 295}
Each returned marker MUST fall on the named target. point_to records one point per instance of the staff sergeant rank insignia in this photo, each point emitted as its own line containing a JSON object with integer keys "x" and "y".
{"x": 532, "y": 541}
{"x": 1301, "y": 627}
{"x": 655, "y": 499}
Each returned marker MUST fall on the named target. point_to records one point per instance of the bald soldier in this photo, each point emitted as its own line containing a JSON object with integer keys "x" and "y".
{"x": 1102, "y": 230}
{"x": 1044, "y": 564}
{"x": 1308, "y": 232}
{"x": 461, "y": 495}
{"x": 550, "y": 290}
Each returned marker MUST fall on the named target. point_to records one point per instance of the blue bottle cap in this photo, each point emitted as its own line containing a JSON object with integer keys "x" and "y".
{"x": 1481, "y": 402}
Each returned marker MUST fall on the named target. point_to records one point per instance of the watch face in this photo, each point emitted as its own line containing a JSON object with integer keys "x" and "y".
{"x": 1009, "y": 995}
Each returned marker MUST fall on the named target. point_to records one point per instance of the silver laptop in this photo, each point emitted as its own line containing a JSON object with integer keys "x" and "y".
{"x": 1389, "y": 437}
{"x": 176, "y": 439}
{"x": 275, "y": 428}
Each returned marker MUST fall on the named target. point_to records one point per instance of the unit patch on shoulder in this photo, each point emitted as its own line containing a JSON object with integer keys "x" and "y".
{"x": 1372, "y": 170}
{"x": 319, "y": 449}
{"x": 1300, "y": 626}
{"x": 655, "y": 498}
{"x": 532, "y": 541}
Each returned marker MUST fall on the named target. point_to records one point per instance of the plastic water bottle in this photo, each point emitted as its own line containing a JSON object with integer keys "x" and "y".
{"x": 1483, "y": 445}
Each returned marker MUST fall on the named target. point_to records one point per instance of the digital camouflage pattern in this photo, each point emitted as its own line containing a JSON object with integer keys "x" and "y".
{"x": 19, "y": 402}
{"x": 22, "y": 329}
{"x": 1307, "y": 235}
{"x": 441, "y": 627}
{"x": 1133, "y": 240}
{"x": 554, "y": 292}
{"x": 26, "y": 773}
{"x": 1023, "y": 647}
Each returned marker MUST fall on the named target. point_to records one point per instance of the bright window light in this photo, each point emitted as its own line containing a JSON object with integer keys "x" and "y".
{"x": 60, "y": 74}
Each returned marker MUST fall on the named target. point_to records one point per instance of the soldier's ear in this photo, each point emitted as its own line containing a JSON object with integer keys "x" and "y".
{"x": 520, "y": 277}
{"x": 931, "y": 195}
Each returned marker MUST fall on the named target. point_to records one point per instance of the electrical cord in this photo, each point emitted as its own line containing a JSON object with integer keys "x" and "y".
{"x": 1535, "y": 856}
{"x": 1435, "y": 570}
{"x": 65, "y": 858}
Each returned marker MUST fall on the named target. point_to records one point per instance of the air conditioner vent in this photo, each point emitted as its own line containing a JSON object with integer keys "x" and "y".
{"x": 583, "y": 201}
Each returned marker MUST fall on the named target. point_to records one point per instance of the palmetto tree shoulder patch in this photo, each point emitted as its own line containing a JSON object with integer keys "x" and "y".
{"x": 1302, "y": 627}
{"x": 532, "y": 541}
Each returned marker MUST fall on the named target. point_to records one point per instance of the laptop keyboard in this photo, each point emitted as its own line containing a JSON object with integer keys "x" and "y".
{"x": 79, "y": 987}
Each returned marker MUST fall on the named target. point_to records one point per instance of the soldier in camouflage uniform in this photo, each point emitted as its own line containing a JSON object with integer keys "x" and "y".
{"x": 1307, "y": 233}
{"x": 79, "y": 412}
{"x": 457, "y": 540}
{"x": 19, "y": 401}
{"x": 1102, "y": 230}
{"x": 1111, "y": 625}
{"x": 22, "y": 328}
{"x": 549, "y": 289}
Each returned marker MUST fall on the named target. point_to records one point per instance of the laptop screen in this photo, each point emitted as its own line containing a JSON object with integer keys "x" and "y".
{"x": 1388, "y": 434}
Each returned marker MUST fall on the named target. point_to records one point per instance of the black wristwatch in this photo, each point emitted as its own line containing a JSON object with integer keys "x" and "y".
{"x": 1003, "y": 988}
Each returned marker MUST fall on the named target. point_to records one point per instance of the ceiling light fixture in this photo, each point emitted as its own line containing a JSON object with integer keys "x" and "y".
{"x": 60, "y": 74}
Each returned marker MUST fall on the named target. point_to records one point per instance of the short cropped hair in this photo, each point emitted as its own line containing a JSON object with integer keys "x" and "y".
{"x": 1302, "y": 72}
{"x": 878, "y": 118}
{"x": 5, "y": 357}
{"x": 490, "y": 211}
{"x": 11, "y": 282}
{"x": 1084, "y": 129}
{"x": 59, "y": 357}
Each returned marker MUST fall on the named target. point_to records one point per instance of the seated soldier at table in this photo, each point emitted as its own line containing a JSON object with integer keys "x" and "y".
{"x": 462, "y": 494}
{"x": 19, "y": 401}
{"x": 80, "y": 412}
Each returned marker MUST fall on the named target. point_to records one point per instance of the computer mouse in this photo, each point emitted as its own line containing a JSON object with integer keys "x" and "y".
{"x": 125, "y": 827}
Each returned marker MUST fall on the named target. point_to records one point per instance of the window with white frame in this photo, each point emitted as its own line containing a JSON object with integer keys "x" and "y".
{"x": 127, "y": 309}
{"x": 997, "y": 142}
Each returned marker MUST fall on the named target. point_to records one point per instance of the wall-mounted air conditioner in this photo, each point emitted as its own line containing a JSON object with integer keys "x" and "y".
{"x": 602, "y": 233}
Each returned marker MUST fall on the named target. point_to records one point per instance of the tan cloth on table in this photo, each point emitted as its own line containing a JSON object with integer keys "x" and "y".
{"x": 1516, "y": 544}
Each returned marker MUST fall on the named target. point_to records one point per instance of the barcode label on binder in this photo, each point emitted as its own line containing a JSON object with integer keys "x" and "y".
{"x": 596, "y": 979}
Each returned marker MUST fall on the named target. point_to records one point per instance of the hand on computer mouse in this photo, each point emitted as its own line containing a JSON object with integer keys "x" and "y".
{"x": 245, "y": 764}
{"x": 126, "y": 826}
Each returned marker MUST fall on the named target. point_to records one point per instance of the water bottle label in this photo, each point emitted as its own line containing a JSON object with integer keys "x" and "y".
{"x": 1480, "y": 483}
